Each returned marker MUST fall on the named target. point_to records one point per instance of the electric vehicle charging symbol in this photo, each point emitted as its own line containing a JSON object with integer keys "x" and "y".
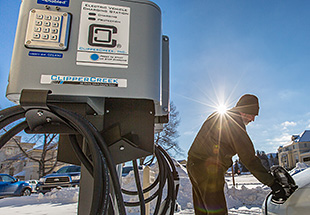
{"x": 101, "y": 35}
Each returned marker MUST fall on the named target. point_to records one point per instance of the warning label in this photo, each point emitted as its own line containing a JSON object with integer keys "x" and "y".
{"x": 103, "y": 35}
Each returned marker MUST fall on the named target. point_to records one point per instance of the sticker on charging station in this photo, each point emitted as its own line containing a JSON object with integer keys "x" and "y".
{"x": 45, "y": 54}
{"x": 83, "y": 80}
{"x": 63, "y": 3}
{"x": 103, "y": 35}
{"x": 102, "y": 59}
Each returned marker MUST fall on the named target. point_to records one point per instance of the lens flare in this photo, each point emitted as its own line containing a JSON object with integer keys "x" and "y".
{"x": 222, "y": 109}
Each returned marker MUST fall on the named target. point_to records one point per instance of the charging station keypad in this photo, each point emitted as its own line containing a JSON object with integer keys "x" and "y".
{"x": 48, "y": 29}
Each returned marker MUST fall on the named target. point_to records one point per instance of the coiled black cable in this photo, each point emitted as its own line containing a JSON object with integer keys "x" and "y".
{"x": 12, "y": 132}
{"x": 83, "y": 127}
{"x": 10, "y": 115}
{"x": 80, "y": 154}
{"x": 105, "y": 151}
{"x": 139, "y": 188}
{"x": 101, "y": 165}
{"x": 167, "y": 174}
{"x": 174, "y": 179}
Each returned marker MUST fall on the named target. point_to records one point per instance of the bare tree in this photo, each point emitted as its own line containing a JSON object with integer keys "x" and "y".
{"x": 48, "y": 158}
{"x": 46, "y": 144}
{"x": 167, "y": 138}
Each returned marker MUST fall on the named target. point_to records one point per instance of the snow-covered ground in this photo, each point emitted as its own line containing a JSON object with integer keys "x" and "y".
{"x": 245, "y": 198}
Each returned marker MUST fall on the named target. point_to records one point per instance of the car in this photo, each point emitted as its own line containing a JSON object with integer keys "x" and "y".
{"x": 297, "y": 203}
{"x": 126, "y": 170}
{"x": 10, "y": 186}
{"x": 67, "y": 176}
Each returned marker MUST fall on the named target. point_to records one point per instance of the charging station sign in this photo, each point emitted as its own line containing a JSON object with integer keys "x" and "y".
{"x": 103, "y": 35}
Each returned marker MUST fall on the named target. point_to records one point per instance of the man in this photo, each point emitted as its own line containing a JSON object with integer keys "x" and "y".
{"x": 219, "y": 139}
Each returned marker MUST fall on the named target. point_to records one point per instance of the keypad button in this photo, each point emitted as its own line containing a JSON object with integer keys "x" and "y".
{"x": 54, "y": 37}
{"x": 36, "y": 36}
{"x": 37, "y": 29}
{"x": 48, "y": 17}
{"x": 56, "y": 18}
{"x": 38, "y": 23}
{"x": 54, "y": 30}
{"x": 55, "y": 24}
{"x": 47, "y": 24}
{"x": 39, "y": 16}
{"x": 46, "y": 30}
{"x": 45, "y": 36}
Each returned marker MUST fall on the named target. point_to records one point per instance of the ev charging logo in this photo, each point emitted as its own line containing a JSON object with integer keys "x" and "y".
{"x": 102, "y": 35}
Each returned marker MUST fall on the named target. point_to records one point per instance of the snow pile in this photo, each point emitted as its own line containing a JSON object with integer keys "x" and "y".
{"x": 62, "y": 196}
{"x": 235, "y": 197}
{"x": 252, "y": 194}
{"x": 56, "y": 202}
{"x": 68, "y": 195}
{"x": 298, "y": 168}
{"x": 246, "y": 198}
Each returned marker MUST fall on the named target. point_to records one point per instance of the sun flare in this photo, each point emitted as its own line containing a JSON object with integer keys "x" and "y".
{"x": 222, "y": 109}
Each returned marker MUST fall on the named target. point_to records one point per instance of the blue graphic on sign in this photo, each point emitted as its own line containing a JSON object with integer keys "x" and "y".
{"x": 64, "y": 3}
{"x": 45, "y": 54}
{"x": 94, "y": 57}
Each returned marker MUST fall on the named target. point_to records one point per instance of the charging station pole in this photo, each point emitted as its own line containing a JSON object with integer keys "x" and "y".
{"x": 98, "y": 72}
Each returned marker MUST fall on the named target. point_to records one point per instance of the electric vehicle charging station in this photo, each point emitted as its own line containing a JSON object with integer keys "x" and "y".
{"x": 97, "y": 73}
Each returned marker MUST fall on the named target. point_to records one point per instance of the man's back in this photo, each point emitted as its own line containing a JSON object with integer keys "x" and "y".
{"x": 217, "y": 137}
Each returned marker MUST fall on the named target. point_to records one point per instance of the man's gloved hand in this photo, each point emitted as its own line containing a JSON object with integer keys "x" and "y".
{"x": 278, "y": 191}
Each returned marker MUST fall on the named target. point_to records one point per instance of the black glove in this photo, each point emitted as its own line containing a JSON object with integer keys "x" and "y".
{"x": 278, "y": 191}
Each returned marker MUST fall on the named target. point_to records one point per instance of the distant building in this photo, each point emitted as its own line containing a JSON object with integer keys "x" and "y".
{"x": 15, "y": 163}
{"x": 10, "y": 163}
{"x": 297, "y": 150}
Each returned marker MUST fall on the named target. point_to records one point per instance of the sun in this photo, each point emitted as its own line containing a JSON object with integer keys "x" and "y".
{"x": 221, "y": 109}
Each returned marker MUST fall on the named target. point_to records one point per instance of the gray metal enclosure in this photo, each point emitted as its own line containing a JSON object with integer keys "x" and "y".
{"x": 105, "y": 60}
{"x": 89, "y": 49}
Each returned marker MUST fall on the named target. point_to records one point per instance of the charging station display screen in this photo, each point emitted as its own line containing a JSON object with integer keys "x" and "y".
{"x": 103, "y": 35}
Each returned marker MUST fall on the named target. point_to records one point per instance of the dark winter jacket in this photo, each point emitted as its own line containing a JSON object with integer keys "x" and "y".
{"x": 221, "y": 137}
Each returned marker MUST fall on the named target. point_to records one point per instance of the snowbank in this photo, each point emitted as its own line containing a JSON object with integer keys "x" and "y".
{"x": 246, "y": 198}
{"x": 63, "y": 196}
{"x": 298, "y": 168}
{"x": 249, "y": 192}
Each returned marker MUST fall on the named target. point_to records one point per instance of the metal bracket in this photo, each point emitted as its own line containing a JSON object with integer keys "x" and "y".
{"x": 126, "y": 147}
{"x": 30, "y": 99}
{"x": 38, "y": 116}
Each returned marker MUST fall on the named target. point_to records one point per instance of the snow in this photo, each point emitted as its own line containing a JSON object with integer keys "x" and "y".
{"x": 56, "y": 202}
{"x": 298, "y": 168}
{"x": 244, "y": 198}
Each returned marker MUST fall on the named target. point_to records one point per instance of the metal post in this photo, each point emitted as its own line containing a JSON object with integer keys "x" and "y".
{"x": 233, "y": 174}
{"x": 86, "y": 185}
{"x": 146, "y": 183}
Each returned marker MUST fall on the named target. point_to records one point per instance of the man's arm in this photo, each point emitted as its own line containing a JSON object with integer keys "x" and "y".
{"x": 245, "y": 150}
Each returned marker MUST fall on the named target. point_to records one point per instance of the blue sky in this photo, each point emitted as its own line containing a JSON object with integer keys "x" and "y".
{"x": 219, "y": 51}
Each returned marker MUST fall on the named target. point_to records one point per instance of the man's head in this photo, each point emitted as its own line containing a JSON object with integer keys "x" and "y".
{"x": 248, "y": 107}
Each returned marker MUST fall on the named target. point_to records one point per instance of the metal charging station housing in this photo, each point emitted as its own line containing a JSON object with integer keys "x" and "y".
{"x": 138, "y": 73}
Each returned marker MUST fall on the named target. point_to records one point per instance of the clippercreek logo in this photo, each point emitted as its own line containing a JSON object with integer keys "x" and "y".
{"x": 64, "y": 3}
{"x": 83, "y": 80}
